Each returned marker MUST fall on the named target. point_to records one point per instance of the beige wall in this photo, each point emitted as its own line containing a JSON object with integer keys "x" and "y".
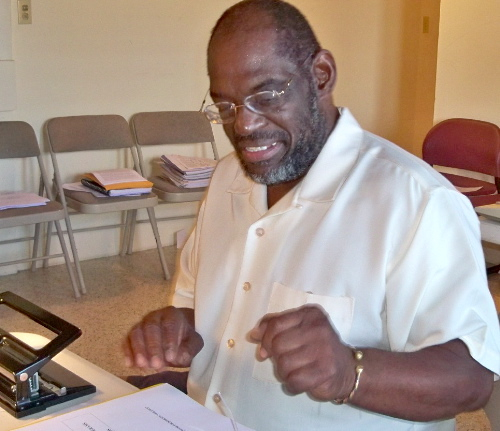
{"x": 386, "y": 64}
{"x": 125, "y": 56}
{"x": 468, "y": 72}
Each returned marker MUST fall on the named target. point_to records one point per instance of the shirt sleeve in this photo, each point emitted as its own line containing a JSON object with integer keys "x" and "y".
{"x": 185, "y": 277}
{"x": 437, "y": 289}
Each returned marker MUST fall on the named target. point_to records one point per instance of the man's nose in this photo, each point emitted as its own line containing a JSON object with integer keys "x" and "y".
{"x": 246, "y": 121}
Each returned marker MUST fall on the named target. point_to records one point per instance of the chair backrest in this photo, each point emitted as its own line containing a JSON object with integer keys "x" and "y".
{"x": 17, "y": 140}
{"x": 466, "y": 144}
{"x": 88, "y": 132}
{"x": 172, "y": 127}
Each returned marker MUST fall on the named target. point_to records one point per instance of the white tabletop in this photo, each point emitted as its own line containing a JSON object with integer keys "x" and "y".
{"x": 490, "y": 226}
{"x": 108, "y": 385}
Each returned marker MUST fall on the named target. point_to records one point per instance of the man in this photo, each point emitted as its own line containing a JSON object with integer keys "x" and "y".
{"x": 316, "y": 236}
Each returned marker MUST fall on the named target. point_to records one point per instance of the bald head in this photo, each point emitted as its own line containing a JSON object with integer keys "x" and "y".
{"x": 295, "y": 39}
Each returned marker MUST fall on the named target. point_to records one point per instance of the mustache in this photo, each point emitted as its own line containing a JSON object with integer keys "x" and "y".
{"x": 257, "y": 136}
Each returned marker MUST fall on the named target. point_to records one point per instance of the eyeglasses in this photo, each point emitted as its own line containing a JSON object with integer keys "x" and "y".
{"x": 262, "y": 103}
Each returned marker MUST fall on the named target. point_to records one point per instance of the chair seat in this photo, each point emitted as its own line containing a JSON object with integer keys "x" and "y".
{"x": 30, "y": 215}
{"x": 87, "y": 203}
{"x": 485, "y": 188}
{"x": 169, "y": 192}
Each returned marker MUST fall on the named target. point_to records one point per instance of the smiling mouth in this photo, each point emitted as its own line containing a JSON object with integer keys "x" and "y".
{"x": 262, "y": 153}
{"x": 261, "y": 148}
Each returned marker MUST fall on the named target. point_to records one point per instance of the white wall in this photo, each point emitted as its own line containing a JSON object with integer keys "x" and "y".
{"x": 126, "y": 56}
{"x": 109, "y": 56}
{"x": 468, "y": 69}
{"x": 7, "y": 70}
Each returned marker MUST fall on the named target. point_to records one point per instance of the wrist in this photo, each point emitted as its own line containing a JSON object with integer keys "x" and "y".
{"x": 358, "y": 356}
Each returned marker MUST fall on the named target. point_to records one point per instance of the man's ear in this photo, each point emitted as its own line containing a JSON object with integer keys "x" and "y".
{"x": 324, "y": 72}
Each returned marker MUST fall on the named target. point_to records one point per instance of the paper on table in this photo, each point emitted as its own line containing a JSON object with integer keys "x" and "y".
{"x": 160, "y": 408}
{"x": 20, "y": 200}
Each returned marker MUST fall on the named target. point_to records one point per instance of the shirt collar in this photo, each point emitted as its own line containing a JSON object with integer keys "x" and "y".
{"x": 335, "y": 161}
{"x": 328, "y": 172}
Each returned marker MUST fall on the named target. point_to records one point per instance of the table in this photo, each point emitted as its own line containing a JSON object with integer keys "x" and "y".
{"x": 108, "y": 385}
{"x": 489, "y": 217}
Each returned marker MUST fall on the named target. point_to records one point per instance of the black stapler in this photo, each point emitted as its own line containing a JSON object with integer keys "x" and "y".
{"x": 29, "y": 380}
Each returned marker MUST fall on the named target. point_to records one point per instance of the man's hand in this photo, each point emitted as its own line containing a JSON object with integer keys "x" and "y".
{"x": 433, "y": 383}
{"x": 164, "y": 337}
{"x": 307, "y": 352}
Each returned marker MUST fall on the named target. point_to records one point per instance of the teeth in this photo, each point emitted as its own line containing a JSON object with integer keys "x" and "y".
{"x": 263, "y": 148}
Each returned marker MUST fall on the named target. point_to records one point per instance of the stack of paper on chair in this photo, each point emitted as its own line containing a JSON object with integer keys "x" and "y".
{"x": 20, "y": 200}
{"x": 188, "y": 172}
{"x": 117, "y": 182}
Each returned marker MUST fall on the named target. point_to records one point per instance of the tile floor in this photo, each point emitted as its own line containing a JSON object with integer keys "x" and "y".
{"x": 120, "y": 291}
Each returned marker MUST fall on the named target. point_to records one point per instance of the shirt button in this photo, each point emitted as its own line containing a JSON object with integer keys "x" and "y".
{"x": 259, "y": 231}
{"x": 298, "y": 206}
{"x": 230, "y": 343}
{"x": 246, "y": 286}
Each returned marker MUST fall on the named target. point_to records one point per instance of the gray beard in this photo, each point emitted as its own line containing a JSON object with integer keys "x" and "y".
{"x": 310, "y": 143}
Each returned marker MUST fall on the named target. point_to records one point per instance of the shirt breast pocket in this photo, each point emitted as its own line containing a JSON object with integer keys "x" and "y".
{"x": 340, "y": 310}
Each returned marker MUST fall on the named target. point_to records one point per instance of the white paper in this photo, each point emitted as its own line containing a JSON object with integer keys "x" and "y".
{"x": 20, "y": 200}
{"x": 117, "y": 176}
{"x": 160, "y": 408}
{"x": 79, "y": 187}
{"x": 188, "y": 164}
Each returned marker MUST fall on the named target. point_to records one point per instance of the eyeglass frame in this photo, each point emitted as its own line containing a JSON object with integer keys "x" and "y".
{"x": 233, "y": 107}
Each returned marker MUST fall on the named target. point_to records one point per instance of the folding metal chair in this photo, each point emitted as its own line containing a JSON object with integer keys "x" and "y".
{"x": 167, "y": 128}
{"x": 95, "y": 133}
{"x": 167, "y": 131}
{"x": 18, "y": 141}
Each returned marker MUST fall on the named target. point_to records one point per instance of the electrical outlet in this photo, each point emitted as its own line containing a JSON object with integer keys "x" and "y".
{"x": 24, "y": 11}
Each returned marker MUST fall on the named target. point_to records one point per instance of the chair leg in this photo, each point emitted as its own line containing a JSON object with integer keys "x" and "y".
{"x": 130, "y": 247}
{"x": 67, "y": 259}
{"x": 126, "y": 232}
{"x": 74, "y": 251}
{"x": 47, "y": 244}
{"x": 154, "y": 226}
{"x": 36, "y": 244}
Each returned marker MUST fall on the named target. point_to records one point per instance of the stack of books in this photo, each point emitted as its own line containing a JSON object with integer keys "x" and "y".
{"x": 117, "y": 182}
{"x": 188, "y": 172}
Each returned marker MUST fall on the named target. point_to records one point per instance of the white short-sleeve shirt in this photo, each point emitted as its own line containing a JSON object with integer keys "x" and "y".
{"x": 374, "y": 235}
